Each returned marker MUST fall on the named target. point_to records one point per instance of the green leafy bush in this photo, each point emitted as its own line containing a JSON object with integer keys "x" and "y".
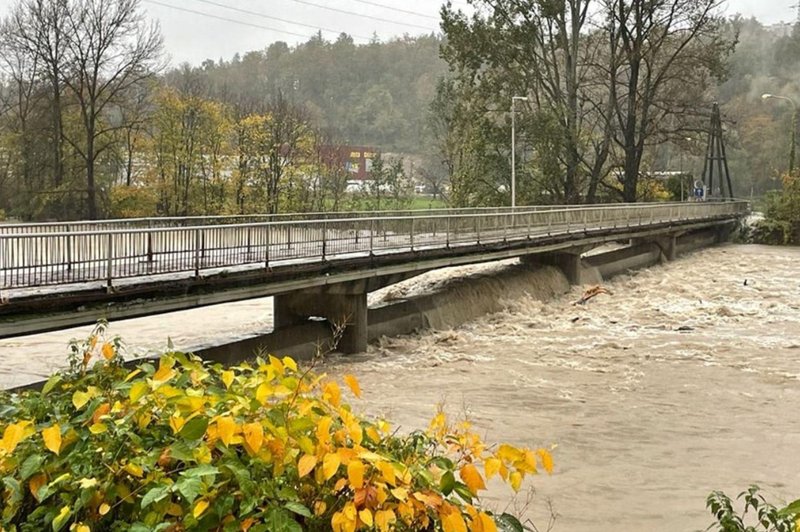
{"x": 757, "y": 514}
{"x": 182, "y": 445}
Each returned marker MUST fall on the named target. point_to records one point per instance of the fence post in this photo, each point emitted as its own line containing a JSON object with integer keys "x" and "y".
{"x": 371, "y": 235}
{"x": 69, "y": 250}
{"x": 109, "y": 259}
{"x": 197, "y": 252}
{"x": 324, "y": 239}
{"x": 266, "y": 251}
{"x": 149, "y": 241}
{"x": 412, "y": 233}
{"x": 447, "y": 230}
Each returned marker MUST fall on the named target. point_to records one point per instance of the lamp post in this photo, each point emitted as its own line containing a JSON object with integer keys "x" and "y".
{"x": 683, "y": 154}
{"x": 794, "y": 126}
{"x": 514, "y": 100}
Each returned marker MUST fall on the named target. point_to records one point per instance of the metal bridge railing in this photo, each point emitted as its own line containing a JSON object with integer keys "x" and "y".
{"x": 55, "y": 257}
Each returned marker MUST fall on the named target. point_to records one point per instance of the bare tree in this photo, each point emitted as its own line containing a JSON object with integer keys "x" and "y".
{"x": 663, "y": 56}
{"x": 112, "y": 50}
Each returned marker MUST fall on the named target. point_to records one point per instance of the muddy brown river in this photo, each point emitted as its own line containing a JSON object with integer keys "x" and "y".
{"x": 685, "y": 380}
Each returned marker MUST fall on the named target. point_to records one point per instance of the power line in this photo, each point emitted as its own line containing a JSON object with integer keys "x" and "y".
{"x": 247, "y": 12}
{"x": 353, "y": 13}
{"x": 234, "y": 21}
{"x": 399, "y": 10}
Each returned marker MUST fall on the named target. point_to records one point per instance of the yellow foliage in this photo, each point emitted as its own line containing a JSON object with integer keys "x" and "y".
{"x": 52, "y": 438}
{"x": 472, "y": 478}
{"x": 330, "y": 464}
{"x": 353, "y": 384}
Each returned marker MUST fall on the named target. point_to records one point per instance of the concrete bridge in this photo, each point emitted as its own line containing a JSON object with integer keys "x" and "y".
{"x": 58, "y": 275}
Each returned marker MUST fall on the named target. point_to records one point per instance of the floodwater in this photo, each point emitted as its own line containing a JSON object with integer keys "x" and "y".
{"x": 685, "y": 380}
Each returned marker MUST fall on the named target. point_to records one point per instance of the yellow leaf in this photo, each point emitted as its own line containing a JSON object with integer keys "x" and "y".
{"x": 227, "y": 378}
{"x": 384, "y": 520}
{"x": 80, "y": 398}
{"x": 226, "y": 429}
{"x": 36, "y": 482}
{"x": 134, "y": 470}
{"x": 277, "y": 365}
{"x": 547, "y": 460}
{"x": 290, "y": 363}
{"x": 12, "y": 435}
{"x": 263, "y": 392}
{"x": 138, "y": 390}
{"x": 387, "y": 470}
{"x": 332, "y": 393}
{"x": 356, "y": 433}
{"x": 487, "y": 523}
{"x": 352, "y": 383}
{"x": 355, "y": 473}
{"x": 330, "y": 464}
{"x": 492, "y": 467}
{"x": 366, "y": 516}
{"x": 163, "y": 374}
{"x": 401, "y": 494}
{"x": 80, "y": 527}
{"x": 199, "y": 508}
{"x": 98, "y": 428}
{"x": 472, "y": 478}
{"x": 108, "y": 351}
{"x": 516, "y": 480}
{"x": 253, "y": 436}
{"x": 176, "y": 423}
{"x": 132, "y": 374}
{"x": 452, "y": 520}
{"x": 319, "y": 508}
{"x": 104, "y": 509}
{"x": 86, "y": 483}
{"x": 306, "y": 464}
{"x": 52, "y": 438}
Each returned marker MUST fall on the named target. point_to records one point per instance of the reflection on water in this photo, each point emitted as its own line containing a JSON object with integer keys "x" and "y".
{"x": 685, "y": 380}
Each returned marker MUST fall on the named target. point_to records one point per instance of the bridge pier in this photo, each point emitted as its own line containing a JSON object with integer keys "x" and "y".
{"x": 667, "y": 244}
{"x": 568, "y": 261}
{"x": 343, "y": 305}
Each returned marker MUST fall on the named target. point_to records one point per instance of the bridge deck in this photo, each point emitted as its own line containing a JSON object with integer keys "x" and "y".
{"x": 42, "y": 256}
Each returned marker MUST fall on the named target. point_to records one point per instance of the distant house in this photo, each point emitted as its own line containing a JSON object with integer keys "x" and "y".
{"x": 357, "y": 160}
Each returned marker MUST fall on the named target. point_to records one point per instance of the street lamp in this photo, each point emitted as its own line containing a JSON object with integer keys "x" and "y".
{"x": 514, "y": 100}
{"x": 794, "y": 126}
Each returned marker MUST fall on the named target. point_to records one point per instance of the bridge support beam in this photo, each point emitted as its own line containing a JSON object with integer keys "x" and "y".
{"x": 667, "y": 244}
{"x": 343, "y": 305}
{"x": 568, "y": 262}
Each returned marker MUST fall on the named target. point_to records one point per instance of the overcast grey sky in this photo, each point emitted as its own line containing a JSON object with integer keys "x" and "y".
{"x": 191, "y": 36}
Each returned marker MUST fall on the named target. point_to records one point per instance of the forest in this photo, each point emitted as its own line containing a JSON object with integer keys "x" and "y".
{"x": 617, "y": 94}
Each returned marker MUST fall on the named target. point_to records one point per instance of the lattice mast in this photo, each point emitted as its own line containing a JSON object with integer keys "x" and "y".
{"x": 716, "y": 157}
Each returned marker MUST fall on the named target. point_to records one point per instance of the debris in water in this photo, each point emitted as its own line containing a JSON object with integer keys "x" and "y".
{"x": 684, "y": 328}
{"x": 592, "y": 292}
{"x": 576, "y": 318}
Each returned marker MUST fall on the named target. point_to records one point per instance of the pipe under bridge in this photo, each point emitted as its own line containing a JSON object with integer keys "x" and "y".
{"x": 57, "y": 275}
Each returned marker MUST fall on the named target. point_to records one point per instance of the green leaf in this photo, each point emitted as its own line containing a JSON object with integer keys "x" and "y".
{"x": 298, "y": 508}
{"x": 200, "y": 471}
{"x": 181, "y": 451}
{"x": 194, "y": 428}
{"x": 508, "y": 523}
{"x": 279, "y": 520}
{"x": 154, "y": 495}
{"x": 30, "y": 466}
{"x": 464, "y": 492}
{"x": 190, "y": 488}
{"x": 50, "y": 384}
{"x": 448, "y": 483}
{"x": 791, "y": 509}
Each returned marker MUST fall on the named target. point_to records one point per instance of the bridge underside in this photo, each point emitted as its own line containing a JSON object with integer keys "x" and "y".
{"x": 334, "y": 290}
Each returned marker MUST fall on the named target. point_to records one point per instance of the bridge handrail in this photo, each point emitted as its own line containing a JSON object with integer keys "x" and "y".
{"x": 30, "y": 259}
{"x": 396, "y": 217}
{"x": 154, "y": 222}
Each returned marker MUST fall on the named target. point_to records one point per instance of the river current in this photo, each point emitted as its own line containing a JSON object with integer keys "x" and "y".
{"x": 686, "y": 379}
